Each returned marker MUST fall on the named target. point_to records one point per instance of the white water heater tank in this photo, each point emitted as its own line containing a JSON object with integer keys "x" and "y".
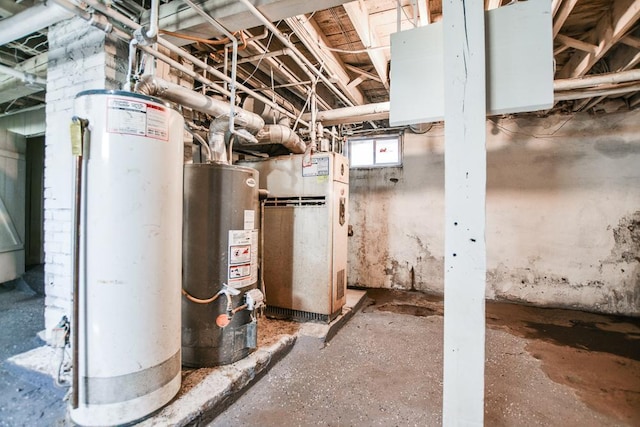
{"x": 129, "y": 362}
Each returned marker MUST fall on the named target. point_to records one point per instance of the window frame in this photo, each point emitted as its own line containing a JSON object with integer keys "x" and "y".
{"x": 376, "y": 139}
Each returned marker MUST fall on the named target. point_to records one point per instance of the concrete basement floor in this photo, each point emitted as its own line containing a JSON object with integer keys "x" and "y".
{"x": 382, "y": 368}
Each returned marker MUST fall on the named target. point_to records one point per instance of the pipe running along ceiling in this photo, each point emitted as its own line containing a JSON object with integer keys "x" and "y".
{"x": 305, "y": 59}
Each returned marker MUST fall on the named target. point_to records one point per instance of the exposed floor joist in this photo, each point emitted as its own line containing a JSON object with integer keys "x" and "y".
{"x": 360, "y": 20}
{"x": 175, "y": 16}
{"x": 312, "y": 38}
{"x": 561, "y": 14}
{"x": 610, "y": 29}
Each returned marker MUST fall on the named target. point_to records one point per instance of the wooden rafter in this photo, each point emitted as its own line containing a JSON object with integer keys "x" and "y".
{"x": 624, "y": 58}
{"x": 562, "y": 13}
{"x": 363, "y": 73}
{"x": 631, "y": 41}
{"x": 360, "y": 20}
{"x": 614, "y": 25}
{"x": 576, "y": 44}
{"x": 424, "y": 13}
{"x": 492, "y": 4}
{"x": 313, "y": 39}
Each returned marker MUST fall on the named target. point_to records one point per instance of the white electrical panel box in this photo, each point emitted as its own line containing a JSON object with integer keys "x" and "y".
{"x": 305, "y": 234}
{"x": 519, "y": 65}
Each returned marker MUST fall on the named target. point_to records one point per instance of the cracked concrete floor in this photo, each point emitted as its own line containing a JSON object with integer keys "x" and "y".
{"x": 384, "y": 368}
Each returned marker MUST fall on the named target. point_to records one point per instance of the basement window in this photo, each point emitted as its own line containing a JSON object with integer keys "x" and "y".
{"x": 376, "y": 151}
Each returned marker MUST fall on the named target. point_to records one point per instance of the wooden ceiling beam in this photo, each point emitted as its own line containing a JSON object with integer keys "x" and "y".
{"x": 555, "y": 5}
{"x": 623, "y": 58}
{"x": 424, "y": 13}
{"x": 363, "y": 73}
{"x": 317, "y": 44}
{"x": 360, "y": 20}
{"x": 614, "y": 25}
{"x": 562, "y": 13}
{"x": 492, "y": 4}
{"x": 577, "y": 44}
{"x": 631, "y": 41}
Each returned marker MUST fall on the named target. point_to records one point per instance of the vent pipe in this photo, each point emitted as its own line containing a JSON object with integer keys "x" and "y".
{"x": 154, "y": 86}
{"x": 279, "y": 134}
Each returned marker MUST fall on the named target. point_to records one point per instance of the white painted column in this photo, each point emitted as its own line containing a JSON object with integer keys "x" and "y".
{"x": 465, "y": 191}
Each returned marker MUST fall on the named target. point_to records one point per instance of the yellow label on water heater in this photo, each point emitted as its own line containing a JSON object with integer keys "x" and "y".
{"x": 76, "y": 138}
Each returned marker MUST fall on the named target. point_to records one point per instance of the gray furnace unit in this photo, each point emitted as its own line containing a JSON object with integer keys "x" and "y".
{"x": 305, "y": 234}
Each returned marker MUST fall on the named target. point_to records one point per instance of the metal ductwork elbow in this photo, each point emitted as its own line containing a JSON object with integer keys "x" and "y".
{"x": 279, "y": 134}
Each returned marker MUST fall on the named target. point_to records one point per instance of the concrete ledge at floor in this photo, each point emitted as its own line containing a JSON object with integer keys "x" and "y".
{"x": 201, "y": 402}
{"x": 324, "y": 332}
{"x": 206, "y": 392}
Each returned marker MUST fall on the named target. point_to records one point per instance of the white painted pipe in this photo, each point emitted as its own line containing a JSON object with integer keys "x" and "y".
{"x": 155, "y": 86}
{"x": 186, "y": 55}
{"x": 598, "y": 79}
{"x": 296, "y": 53}
{"x": 337, "y": 114}
{"x": 152, "y": 33}
{"x": 565, "y": 89}
{"x": 234, "y": 58}
{"x": 22, "y": 75}
{"x": 31, "y": 20}
{"x": 590, "y": 93}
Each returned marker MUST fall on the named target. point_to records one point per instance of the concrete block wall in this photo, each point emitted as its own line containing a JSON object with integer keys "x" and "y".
{"x": 563, "y": 214}
{"x": 80, "y": 58}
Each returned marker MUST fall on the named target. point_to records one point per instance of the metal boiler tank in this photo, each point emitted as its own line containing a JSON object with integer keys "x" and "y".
{"x": 220, "y": 263}
{"x": 128, "y": 325}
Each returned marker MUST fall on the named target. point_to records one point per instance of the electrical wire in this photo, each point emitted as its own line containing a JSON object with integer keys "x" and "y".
{"x": 539, "y": 136}
{"x": 365, "y": 50}
{"x": 266, "y": 50}
{"x": 59, "y": 382}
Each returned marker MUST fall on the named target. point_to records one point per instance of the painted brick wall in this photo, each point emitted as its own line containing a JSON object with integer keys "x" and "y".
{"x": 80, "y": 58}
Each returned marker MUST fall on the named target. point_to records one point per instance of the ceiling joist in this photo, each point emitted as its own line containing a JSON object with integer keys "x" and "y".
{"x": 316, "y": 43}
{"x": 613, "y": 27}
{"x": 561, "y": 13}
{"x": 360, "y": 20}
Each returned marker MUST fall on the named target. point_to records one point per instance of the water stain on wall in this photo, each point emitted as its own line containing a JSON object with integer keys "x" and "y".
{"x": 627, "y": 240}
{"x": 616, "y": 148}
{"x": 421, "y": 272}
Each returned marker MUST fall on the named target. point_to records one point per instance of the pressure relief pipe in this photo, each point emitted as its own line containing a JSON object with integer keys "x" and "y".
{"x": 78, "y": 143}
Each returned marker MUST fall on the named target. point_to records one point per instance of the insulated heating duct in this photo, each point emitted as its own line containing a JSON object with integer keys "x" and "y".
{"x": 279, "y": 134}
{"x": 251, "y": 122}
{"x": 154, "y": 86}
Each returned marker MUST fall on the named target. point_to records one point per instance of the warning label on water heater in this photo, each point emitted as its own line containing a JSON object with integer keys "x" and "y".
{"x": 132, "y": 117}
{"x": 243, "y": 257}
{"x": 318, "y": 166}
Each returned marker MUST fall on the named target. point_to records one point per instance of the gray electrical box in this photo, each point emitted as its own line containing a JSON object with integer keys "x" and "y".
{"x": 305, "y": 234}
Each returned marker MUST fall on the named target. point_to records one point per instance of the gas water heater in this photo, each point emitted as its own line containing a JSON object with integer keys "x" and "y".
{"x": 128, "y": 351}
{"x": 220, "y": 264}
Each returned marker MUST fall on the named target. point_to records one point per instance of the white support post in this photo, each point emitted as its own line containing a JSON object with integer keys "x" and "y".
{"x": 465, "y": 191}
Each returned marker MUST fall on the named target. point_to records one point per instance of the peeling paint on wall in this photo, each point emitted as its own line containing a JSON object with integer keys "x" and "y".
{"x": 563, "y": 218}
